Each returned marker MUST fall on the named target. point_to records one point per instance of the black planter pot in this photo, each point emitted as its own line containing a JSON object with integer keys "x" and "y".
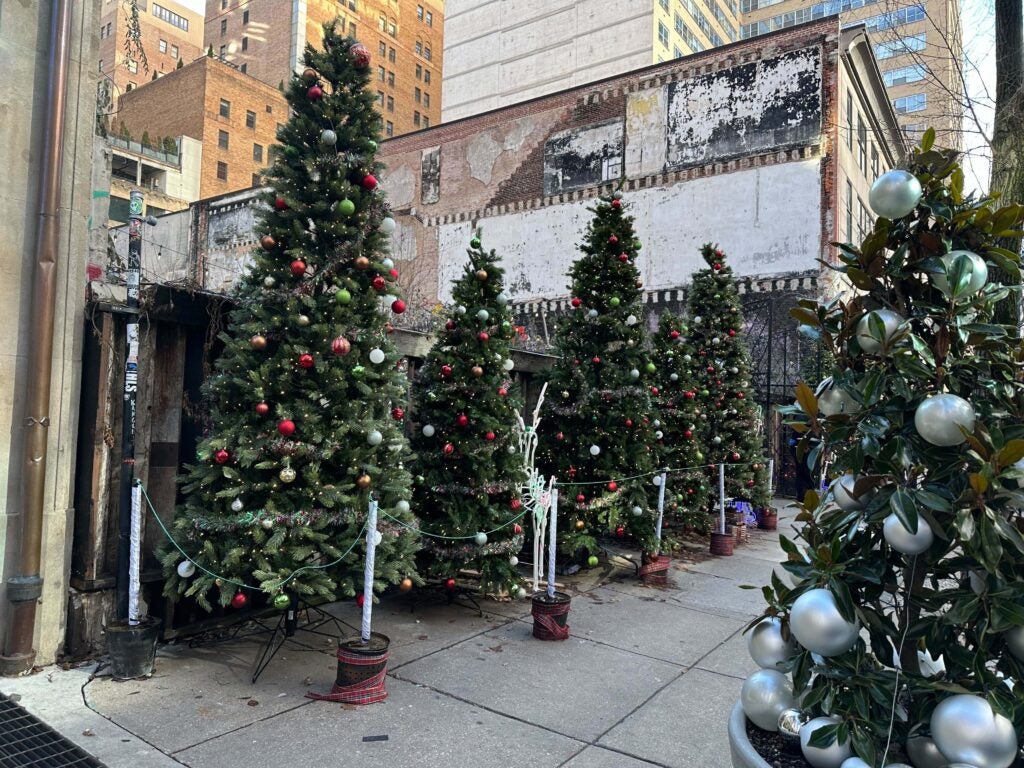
{"x": 132, "y": 649}
{"x": 551, "y": 616}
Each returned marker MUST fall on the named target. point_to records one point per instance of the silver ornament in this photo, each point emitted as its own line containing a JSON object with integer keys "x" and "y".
{"x": 302, "y": 320}
{"x": 1015, "y": 642}
{"x": 856, "y": 762}
{"x": 966, "y": 730}
{"x": 637, "y": 511}
{"x": 734, "y": 370}
{"x": 834, "y": 400}
{"x": 764, "y": 696}
{"x": 267, "y": 523}
{"x": 924, "y": 754}
{"x": 716, "y": 440}
{"x": 687, "y": 358}
{"x": 388, "y": 264}
{"x": 656, "y": 423}
{"x": 716, "y": 340}
{"x": 513, "y": 561}
{"x": 842, "y": 492}
{"x": 402, "y": 507}
{"x": 617, "y": 195}
{"x": 591, "y": 313}
{"x": 977, "y": 272}
{"x": 269, "y": 282}
{"x": 674, "y": 377}
{"x": 818, "y": 626}
{"x": 595, "y": 450}
{"x": 831, "y": 756}
{"x": 658, "y": 435}
{"x": 508, "y": 364}
{"x": 766, "y": 645}
{"x": 377, "y": 356}
{"x": 698, "y": 320}
{"x": 483, "y": 315}
{"x": 902, "y": 540}
{"x": 790, "y": 723}
{"x": 656, "y": 480}
{"x": 634, "y": 374}
{"x": 374, "y": 437}
{"x": 938, "y": 419}
{"x": 460, "y": 310}
{"x": 895, "y": 194}
{"x": 631, "y": 320}
{"x": 428, "y": 430}
{"x": 891, "y": 322}
{"x": 186, "y": 568}
{"x": 387, "y": 226}
{"x": 378, "y": 537}
{"x": 480, "y": 539}
{"x": 502, "y": 298}
{"x": 237, "y": 505}
{"x": 328, "y": 137}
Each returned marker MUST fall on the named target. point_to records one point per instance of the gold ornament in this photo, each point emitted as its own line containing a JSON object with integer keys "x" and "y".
{"x": 258, "y": 342}
{"x": 406, "y": 584}
{"x": 481, "y": 275}
{"x": 580, "y": 525}
{"x": 287, "y": 475}
{"x": 477, "y": 371}
{"x": 362, "y": 263}
{"x": 363, "y": 482}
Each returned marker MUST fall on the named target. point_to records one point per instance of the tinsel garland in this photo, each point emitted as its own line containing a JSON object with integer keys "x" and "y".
{"x": 321, "y": 516}
{"x": 470, "y": 550}
{"x": 594, "y": 394}
{"x": 466, "y": 490}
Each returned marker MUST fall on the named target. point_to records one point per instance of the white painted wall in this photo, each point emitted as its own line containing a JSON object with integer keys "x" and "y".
{"x": 768, "y": 220}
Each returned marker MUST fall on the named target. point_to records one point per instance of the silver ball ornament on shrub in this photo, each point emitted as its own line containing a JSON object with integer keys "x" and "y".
{"x": 902, "y": 540}
{"x": 843, "y": 493}
{"x": 977, "y": 271}
{"x": 1015, "y": 642}
{"x": 764, "y": 696}
{"x": 924, "y": 754}
{"x": 831, "y": 756}
{"x": 790, "y": 723}
{"x": 938, "y": 419}
{"x": 891, "y": 322}
{"x": 819, "y": 627}
{"x": 856, "y": 762}
{"x": 834, "y": 400}
{"x": 895, "y": 194}
{"x": 967, "y": 730}
{"x": 766, "y": 645}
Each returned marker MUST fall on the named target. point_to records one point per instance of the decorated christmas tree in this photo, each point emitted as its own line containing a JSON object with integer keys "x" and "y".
{"x": 902, "y": 631}
{"x": 731, "y": 429}
{"x": 680, "y": 421}
{"x": 598, "y": 428}
{"x": 469, "y": 467}
{"x": 305, "y": 405}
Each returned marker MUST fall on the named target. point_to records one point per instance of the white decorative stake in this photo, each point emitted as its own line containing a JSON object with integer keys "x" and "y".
{"x": 536, "y": 492}
{"x": 661, "y": 507}
{"x": 721, "y": 498}
{"x": 133, "y": 557}
{"x": 552, "y": 542}
{"x": 371, "y": 552}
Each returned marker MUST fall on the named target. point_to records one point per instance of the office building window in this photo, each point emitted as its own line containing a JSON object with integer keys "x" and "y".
{"x": 391, "y": 78}
{"x": 222, "y": 171}
{"x": 895, "y": 18}
{"x": 382, "y": 23}
{"x": 380, "y": 98}
{"x": 250, "y": 119}
{"x": 244, "y": 68}
{"x": 174, "y": 51}
{"x": 225, "y": 108}
{"x": 418, "y": 95}
{"x": 875, "y": 168}
{"x": 419, "y": 72}
{"x": 170, "y": 17}
{"x": 416, "y": 119}
{"x": 223, "y": 27}
{"x": 426, "y": 53}
{"x": 903, "y": 44}
{"x": 131, "y": 65}
{"x": 426, "y": 76}
{"x": 382, "y": 48}
{"x": 419, "y": 12}
{"x": 430, "y": 19}
{"x": 389, "y": 128}
{"x": 257, "y": 153}
{"x": 391, "y": 55}
{"x": 426, "y": 121}
{"x": 662, "y": 34}
{"x": 849, "y": 119}
{"x": 426, "y": 99}
{"x": 419, "y": 48}
{"x": 245, "y": 16}
{"x": 380, "y": 74}
{"x": 676, "y": 53}
{"x": 862, "y": 145}
{"x": 913, "y": 103}
{"x": 903, "y": 75}
{"x": 163, "y": 46}
{"x": 245, "y": 43}
{"x": 664, "y": 4}
{"x": 849, "y": 211}
{"x": 222, "y": 139}
{"x": 392, "y": 28}
{"x": 256, "y": 180}
{"x": 391, "y": 103}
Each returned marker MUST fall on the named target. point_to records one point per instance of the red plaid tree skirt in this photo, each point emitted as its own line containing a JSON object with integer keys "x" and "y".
{"x": 369, "y": 691}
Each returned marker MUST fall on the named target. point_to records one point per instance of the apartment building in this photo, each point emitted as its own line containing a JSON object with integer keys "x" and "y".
{"x": 266, "y": 38}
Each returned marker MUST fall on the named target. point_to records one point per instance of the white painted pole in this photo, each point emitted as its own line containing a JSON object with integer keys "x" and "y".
{"x": 771, "y": 477}
{"x": 661, "y": 508}
{"x": 134, "y": 544}
{"x": 552, "y": 541}
{"x": 721, "y": 498}
{"x": 371, "y": 552}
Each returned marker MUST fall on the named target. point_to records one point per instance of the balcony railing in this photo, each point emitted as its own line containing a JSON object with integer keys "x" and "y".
{"x": 170, "y": 158}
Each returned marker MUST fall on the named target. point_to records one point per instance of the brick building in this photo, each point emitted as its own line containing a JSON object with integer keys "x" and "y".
{"x": 265, "y": 39}
{"x": 233, "y": 114}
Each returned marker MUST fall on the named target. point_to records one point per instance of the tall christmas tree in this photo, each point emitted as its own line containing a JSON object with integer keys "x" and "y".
{"x": 680, "y": 420}
{"x": 305, "y": 414}
{"x": 903, "y": 628}
{"x": 732, "y": 429}
{"x": 598, "y": 429}
{"x": 469, "y": 468}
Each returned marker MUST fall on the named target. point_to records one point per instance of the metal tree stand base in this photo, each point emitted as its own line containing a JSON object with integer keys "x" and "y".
{"x": 299, "y": 617}
{"x": 464, "y": 597}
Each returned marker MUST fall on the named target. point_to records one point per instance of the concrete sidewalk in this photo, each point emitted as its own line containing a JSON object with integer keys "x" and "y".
{"x": 647, "y": 679}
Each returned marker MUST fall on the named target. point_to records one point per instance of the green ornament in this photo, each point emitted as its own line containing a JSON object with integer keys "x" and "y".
{"x": 592, "y": 561}
{"x": 614, "y": 301}
{"x": 680, "y": 498}
{"x": 506, "y": 326}
{"x": 358, "y": 371}
{"x": 343, "y": 296}
{"x": 282, "y": 601}
{"x": 637, "y": 245}
{"x": 347, "y": 207}
{"x": 474, "y": 243}
{"x": 651, "y": 368}
{"x": 371, "y": 145}
{"x": 699, "y": 457}
{"x": 704, "y": 393}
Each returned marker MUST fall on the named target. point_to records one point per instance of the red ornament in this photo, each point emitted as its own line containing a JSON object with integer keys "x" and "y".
{"x": 398, "y": 306}
{"x": 360, "y": 55}
{"x": 298, "y": 267}
{"x": 613, "y": 486}
{"x": 450, "y": 325}
{"x": 489, "y": 436}
{"x": 629, "y": 422}
{"x": 613, "y": 240}
{"x": 286, "y": 427}
{"x": 620, "y": 531}
{"x": 560, "y": 436}
{"x": 623, "y": 257}
{"x": 306, "y": 360}
{"x": 462, "y": 420}
{"x": 716, "y": 266}
{"x": 393, "y": 273}
{"x": 739, "y": 395}
{"x": 690, "y": 395}
{"x": 710, "y": 369}
{"x": 446, "y": 371}
{"x": 449, "y": 584}
{"x": 280, "y": 204}
{"x": 262, "y": 409}
{"x": 239, "y": 600}
{"x": 378, "y": 283}
{"x": 735, "y": 456}
{"x": 482, "y": 336}
{"x": 502, "y": 391}
{"x": 580, "y": 498}
{"x": 341, "y": 346}
{"x": 517, "y": 529}
{"x": 360, "y": 599}
{"x": 448, "y": 449}
{"x": 750, "y": 483}
{"x": 596, "y": 360}
{"x": 515, "y": 504}
{"x": 616, "y": 204}
{"x": 719, "y": 252}
{"x": 687, "y": 434}
{"x": 732, "y": 332}
{"x": 369, "y": 181}
{"x": 397, "y": 414}
{"x": 674, "y": 335}
{"x": 221, "y": 456}
{"x": 315, "y": 92}
{"x": 576, "y": 302}
{"x": 690, "y": 491}
{"x": 654, "y": 391}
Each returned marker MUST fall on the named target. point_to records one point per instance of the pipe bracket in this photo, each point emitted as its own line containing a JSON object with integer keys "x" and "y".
{"x": 43, "y": 422}
{"x": 23, "y": 589}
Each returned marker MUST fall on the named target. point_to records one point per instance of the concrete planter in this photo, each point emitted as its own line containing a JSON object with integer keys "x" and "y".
{"x": 743, "y": 753}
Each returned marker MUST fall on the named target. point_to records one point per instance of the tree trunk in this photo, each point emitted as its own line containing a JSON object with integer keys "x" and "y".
{"x": 1008, "y": 129}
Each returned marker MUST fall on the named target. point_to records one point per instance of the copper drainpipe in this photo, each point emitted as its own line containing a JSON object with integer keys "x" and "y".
{"x": 26, "y": 587}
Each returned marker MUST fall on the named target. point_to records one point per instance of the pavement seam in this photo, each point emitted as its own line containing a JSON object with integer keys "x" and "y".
{"x": 240, "y": 728}
{"x": 391, "y": 670}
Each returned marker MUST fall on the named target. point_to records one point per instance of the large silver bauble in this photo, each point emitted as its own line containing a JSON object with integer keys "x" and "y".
{"x": 790, "y": 723}
{"x": 924, "y": 754}
{"x": 766, "y": 645}
{"x": 833, "y": 400}
{"x": 1015, "y": 642}
{"x": 1019, "y": 466}
{"x": 938, "y": 419}
{"x": 895, "y": 194}
{"x": 387, "y": 226}
{"x": 978, "y": 272}
{"x": 966, "y": 730}
{"x": 842, "y": 491}
{"x": 891, "y": 322}
{"x": 818, "y": 626}
{"x": 764, "y": 696}
{"x": 902, "y": 540}
{"x": 831, "y": 756}
{"x": 856, "y": 762}
{"x": 186, "y": 568}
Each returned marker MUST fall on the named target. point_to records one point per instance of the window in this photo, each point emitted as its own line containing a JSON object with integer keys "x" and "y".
{"x": 101, "y": 65}
{"x": 875, "y": 168}
{"x": 163, "y": 46}
{"x": 389, "y": 128}
{"x": 426, "y": 99}
{"x": 380, "y": 98}
{"x": 391, "y": 55}
{"x": 223, "y": 4}
{"x": 250, "y": 119}
{"x": 257, "y": 153}
{"x": 256, "y": 180}
{"x": 862, "y": 145}
{"x": 430, "y": 19}
{"x": 245, "y": 16}
{"x": 245, "y": 43}
{"x": 903, "y": 44}
{"x": 223, "y": 51}
{"x": 380, "y": 74}
{"x": 419, "y": 48}
{"x": 418, "y": 95}
{"x": 849, "y": 119}
{"x": 225, "y": 108}
{"x": 913, "y": 103}
{"x": 391, "y": 103}
{"x": 352, "y": 29}
{"x": 223, "y": 27}
{"x": 849, "y": 211}
{"x": 382, "y": 48}
{"x": 419, "y": 12}
{"x": 910, "y": 129}
{"x": 416, "y": 119}
{"x": 392, "y": 28}
{"x": 687, "y": 34}
{"x": 903, "y": 75}
{"x": 391, "y": 78}
{"x": 244, "y": 68}
{"x": 664, "y": 4}
{"x": 382, "y": 23}
{"x": 270, "y": 110}
{"x": 426, "y": 53}
{"x": 104, "y": 31}
{"x": 222, "y": 139}
{"x": 131, "y": 65}
{"x": 170, "y": 17}
{"x": 130, "y": 87}
{"x": 426, "y": 121}
{"x": 426, "y": 76}
{"x": 676, "y": 53}
{"x": 895, "y": 18}
{"x": 662, "y": 34}
{"x": 174, "y": 51}
{"x": 419, "y": 72}
{"x": 222, "y": 171}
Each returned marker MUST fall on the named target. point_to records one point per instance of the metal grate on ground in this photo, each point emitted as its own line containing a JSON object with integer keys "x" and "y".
{"x": 27, "y": 741}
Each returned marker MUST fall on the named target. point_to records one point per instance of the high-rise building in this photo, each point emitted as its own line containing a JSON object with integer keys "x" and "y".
{"x": 130, "y": 55}
{"x": 266, "y": 38}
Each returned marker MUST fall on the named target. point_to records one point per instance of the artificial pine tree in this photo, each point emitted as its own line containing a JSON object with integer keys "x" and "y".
{"x": 598, "y": 428}
{"x": 903, "y": 625}
{"x": 305, "y": 405}
{"x": 469, "y": 470}
{"x": 731, "y": 429}
{"x": 677, "y": 406}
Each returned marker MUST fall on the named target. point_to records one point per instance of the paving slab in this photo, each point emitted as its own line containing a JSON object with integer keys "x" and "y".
{"x": 576, "y": 687}
{"x": 596, "y": 757}
{"x": 423, "y": 728}
{"x": 684, "y": 725}
{"x": 702, "y": 592}
{"x": 730, "y": 658}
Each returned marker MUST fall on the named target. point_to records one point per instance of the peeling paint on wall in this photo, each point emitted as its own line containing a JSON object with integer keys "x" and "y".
{"x": 400, "y": 187}
{"x": 583, "y": 157}
{"x": 430, "y": 176}
{"x": 481, "y": 153}
{"x": 748, "y": 108}
{"x": 645, "y": 132}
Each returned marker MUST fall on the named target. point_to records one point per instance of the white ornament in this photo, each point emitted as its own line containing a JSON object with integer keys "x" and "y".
{"x": 267, "y": 523}
{"x": 891, "y": 322}
{"x": 483, "y": 315}
{"x": 716, "y": 440}
{"x": 966, "y": 730}
{"x": 269, "y": 282}
{"x": 977, "y": 271}
{"x": 186, "y": 568}
{"x": 818, "y": 626}
{"x": 591, "y": 313}
{"x": 766, "y": 645}
{"x": 687, "y": 358}
{"x": 595, "y": 450}
{"x": 938, "y": 419}
{"x": 894, "y": 195}
{"x": 656, "y": 480}
{"x": 631, "y": 320}
{"x": 237, "y": 505}
{"x": 508, "y": 364}
{"x": 698, "y": 320}
{"x": 374, "y": 437}
{"x": 378, "y": 537}
{"x": 734, "y": 370}
{"x": 460, "y": 310}
{"x": 842, "y": 492}
{"x": 834, "y": 400}
{"x": 388, "y": 263}
{"x": 513, "y": 561}
{"x": 634, "y": 373}
{"x": 674, "y": 377}
{"x": 656, "y": 423}
{"x": 480, "y": 539}
{"x": 716, "y": 340}
{"x": 377, "y": 356}
{"x": 637, "y": 511}
{"x": 658, "y": 435}
{"x": 764, "y": 696}
{"x": 428, "y": 430}
{"x": 387, "y": 226}
{"x": 402, "y": 507}
{"x": 502, "y": 298}
{"x": 1015, "y": 642}
{"x": 521, "y": 593}
{"x": 831, "y": 756}
{"x": 902, "y": 540}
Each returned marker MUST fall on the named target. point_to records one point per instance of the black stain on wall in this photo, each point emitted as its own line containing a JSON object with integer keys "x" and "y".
{"x": 583, "y": 157}
{"x": 430, "y": 176}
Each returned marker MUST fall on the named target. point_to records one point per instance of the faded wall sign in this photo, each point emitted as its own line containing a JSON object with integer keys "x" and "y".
{"x": 583, "y": 157}
{"x": 430, "y": 176}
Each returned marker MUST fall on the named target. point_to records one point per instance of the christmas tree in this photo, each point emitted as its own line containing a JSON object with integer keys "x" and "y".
{"x": 903, "y": 627}
{"x": 598, "y": 428}
{"x": 469, "y": 468}
{"x": 731, "y": 428}
{"x": 305, "y": 415}
{"x": 680, "y": 417}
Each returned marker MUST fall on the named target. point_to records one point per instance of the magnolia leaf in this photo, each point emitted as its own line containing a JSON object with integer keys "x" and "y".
{"x": 805, "y": 396}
